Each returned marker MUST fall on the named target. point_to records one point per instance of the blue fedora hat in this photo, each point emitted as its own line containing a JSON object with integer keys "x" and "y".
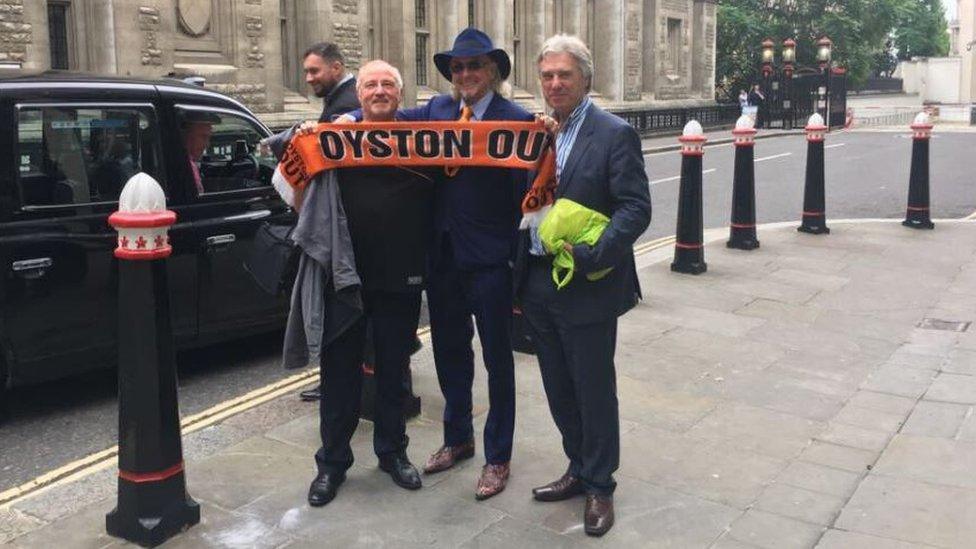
{"x": 472, "y": 42}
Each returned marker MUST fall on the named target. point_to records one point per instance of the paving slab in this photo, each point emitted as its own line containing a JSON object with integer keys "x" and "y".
{"x": 912, "y": 511}
{"x": 839, "y": 539}
{"x": 936, "y": 419}
{"x": 960, "y": 389}
{"x": 771, "y": 531}
{"x": 933, "y": 460}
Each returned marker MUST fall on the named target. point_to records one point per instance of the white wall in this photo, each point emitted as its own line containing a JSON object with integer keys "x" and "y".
{"x": 935, "y": 79}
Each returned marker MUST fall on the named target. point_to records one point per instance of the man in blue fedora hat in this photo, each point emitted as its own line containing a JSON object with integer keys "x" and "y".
{"x": 476, "y": 217}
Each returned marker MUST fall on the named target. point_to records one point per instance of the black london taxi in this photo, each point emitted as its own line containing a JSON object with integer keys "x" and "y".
{"x": 68, "y": 144}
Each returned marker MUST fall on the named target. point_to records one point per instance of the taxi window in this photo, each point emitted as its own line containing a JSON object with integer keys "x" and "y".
{"x": 223, "y": 153}
{"x": 82, "y": 155}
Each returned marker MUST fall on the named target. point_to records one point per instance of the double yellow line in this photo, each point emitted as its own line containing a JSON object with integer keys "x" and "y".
{"x": 104, "y": 459}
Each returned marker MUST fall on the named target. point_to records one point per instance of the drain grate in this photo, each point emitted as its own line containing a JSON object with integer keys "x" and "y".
{"x": 944, "y": 325}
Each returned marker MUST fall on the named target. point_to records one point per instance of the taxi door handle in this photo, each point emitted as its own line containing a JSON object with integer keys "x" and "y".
{"x": 32, "y": 268}
{"x": 220, "y": 240}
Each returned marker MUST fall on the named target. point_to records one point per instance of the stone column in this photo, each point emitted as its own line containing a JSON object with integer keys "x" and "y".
{"x": 573, "y": 17}
{"x": 101, "y": 32}
{"x": 399, "y": 31}
{"x": 703, "y": 49}
{"x": 651, "y": 40}
{"x": 633, "y": 81}
{"x": 498, "y": 24}
{"x": 697, "y": 47}
{"x": 24, "y": 40}
{"x": 608, "y": 50}
{"x": 447, "y": 26}
{"x": 533, "y": 35}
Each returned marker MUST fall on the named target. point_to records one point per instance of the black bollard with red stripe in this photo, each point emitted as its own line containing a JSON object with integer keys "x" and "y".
{"x": 689, "y": 248}
{"x": 814, "y": 208}
{"x": 742, "y": 229}
{"x": 152, "y": 503}
{"x": 918, "y": 216}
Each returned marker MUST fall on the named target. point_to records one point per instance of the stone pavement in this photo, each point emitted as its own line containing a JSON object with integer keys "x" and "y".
{"x": 805, "y": 394}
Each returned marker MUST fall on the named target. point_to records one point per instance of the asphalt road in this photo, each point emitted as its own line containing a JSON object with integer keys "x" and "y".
{"x": 867, "y": 176}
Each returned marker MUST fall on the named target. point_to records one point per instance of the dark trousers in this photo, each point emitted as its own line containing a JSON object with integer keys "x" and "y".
{"x": 454, "y": 296}
{"x": 394, "y": 317}
{"x": 580, "y": 381}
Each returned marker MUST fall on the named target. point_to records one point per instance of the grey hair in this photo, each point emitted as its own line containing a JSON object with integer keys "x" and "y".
{"x": 379, "y": 63}
{"x": 566, "y": 43}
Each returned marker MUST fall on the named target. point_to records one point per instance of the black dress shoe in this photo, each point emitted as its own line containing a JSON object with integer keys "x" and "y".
{"x": 311, "y": 395}
{"x": 566, "y": 487}
{"x": 598, "y": 515}
{"x": 403, "y": 473}
{"x": 324, "y": 488}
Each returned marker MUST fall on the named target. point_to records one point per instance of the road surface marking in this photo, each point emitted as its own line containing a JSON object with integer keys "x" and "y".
{"x": 677, "y": 177}
{"x": 834, "y": 145}
{"x": 765, "y": 158}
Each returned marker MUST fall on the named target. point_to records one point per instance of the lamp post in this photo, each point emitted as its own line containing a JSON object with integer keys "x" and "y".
{"x": 789, "y": 58}
{"x": 824, "y": 47}
{"x": 767, "y": 74}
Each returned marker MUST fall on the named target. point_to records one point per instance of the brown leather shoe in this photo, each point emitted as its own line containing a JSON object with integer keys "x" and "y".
{"x": 566, "y": 487}
{"x": 494, "y": 476}
{"x": 445, "y": 457}
{"x": 598, "y": 515}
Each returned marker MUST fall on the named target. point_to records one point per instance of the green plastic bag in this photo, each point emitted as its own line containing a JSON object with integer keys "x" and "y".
{"x": 571, "y": 223}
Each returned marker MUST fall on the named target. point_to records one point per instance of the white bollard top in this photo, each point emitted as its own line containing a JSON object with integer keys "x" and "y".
{"x": 142, "y": 194}
{"x": 142, "y": 220}
{"x": 692, "y": 129}
{"x": 922, "y": 119}
{"x": 815, "y": 120}
{"x": 745, "y": 122}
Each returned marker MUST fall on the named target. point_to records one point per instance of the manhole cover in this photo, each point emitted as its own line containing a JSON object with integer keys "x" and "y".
{"x": 945, "y": 325}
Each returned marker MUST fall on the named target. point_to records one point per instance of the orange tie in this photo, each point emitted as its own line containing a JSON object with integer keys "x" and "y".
{"x": 451, "y": 171}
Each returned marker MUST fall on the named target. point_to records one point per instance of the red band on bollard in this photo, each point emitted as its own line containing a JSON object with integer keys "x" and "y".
{"x": 154, "y": 476}
{"x": 918, "y": 209}
{"x": 813, "y": 213}
{"x": 742, "y": 225}
{"x": 684, "y": 246}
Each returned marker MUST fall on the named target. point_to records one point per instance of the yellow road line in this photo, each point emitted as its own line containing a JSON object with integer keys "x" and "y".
{"x": 106, "y": 458}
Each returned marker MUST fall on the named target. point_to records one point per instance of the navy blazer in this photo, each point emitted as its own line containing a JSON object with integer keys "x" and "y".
{"x": 604, "y": 172}
{"x": 479, "y": 209}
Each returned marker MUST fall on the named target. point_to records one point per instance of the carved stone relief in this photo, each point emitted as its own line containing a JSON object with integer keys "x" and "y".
{"x": 350, "y": 42}
{"x": 345, "y": 6}
{"x": 149, "y": 25}
{"x": 254, "y": 30}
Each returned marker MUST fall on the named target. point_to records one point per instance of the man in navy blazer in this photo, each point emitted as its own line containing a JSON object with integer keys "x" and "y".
{"x": 599, "y": 165}
{"x": 476, "y": 217}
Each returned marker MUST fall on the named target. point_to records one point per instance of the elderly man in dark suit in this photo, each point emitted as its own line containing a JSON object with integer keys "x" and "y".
{"x": 599, "y": 165}
{"x": 476, "y": 216}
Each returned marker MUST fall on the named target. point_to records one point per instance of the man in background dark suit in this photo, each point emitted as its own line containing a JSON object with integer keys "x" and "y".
{"x": 599, "y": 165}
{"x": 325, "y": 72}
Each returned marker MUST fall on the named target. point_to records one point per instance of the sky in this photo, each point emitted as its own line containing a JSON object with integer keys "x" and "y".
{"x": 950, "y": 7}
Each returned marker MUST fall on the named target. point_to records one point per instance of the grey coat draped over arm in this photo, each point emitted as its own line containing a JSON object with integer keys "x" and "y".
{"x": 325, "y": 300}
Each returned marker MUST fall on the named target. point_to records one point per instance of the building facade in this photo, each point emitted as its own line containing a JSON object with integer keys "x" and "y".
{"x": 647, "y": 52}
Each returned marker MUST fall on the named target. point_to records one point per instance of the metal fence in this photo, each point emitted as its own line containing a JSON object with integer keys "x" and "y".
{"x": 655, "y": 121}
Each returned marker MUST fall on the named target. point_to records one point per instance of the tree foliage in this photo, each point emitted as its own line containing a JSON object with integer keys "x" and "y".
{"x": 921, "y": 29}
{"x": 859, "y": 29}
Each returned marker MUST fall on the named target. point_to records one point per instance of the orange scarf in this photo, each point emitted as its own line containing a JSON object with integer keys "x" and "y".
{"x": 498, "y": 144}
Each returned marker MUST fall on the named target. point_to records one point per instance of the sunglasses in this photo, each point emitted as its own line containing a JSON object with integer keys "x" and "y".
{"x": 457, "y": 67}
